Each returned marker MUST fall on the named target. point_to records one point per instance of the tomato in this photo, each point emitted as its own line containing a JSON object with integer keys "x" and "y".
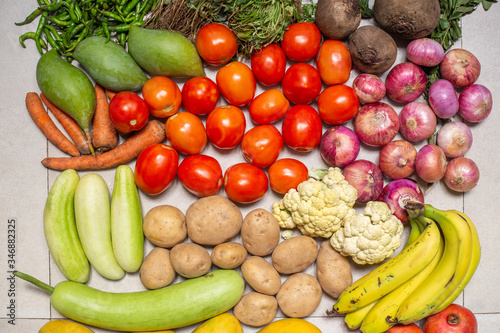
{"x": 162, "y": 95}
{"x": 287, "y": 173}
{"x": 262, "y": 145}
{"x": 200, "y": 95}
{"x": 410, "y": 328}
{"x": 216, "y": 44}
{"x": 337, "y": 104}
{"x": 236, "y": 83}
{"x": 268, "y": 107}
{"x": 269, "y": 64}
{"x": 301, "y": 83}
{"x": 245, "y": 183}
{"x": 156, "y": 168}
{"x": 226, "y": 126}
{"x": 186, "y": 133}
{"x": 301, "y": 41}
{"x": 334, "y": 62}
{"x": 201, "y": 175}
{"x": 302, "y": 128}
{"x": 128, "y": 112}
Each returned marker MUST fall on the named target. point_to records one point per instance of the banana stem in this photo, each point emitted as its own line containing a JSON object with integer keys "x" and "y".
{"x": 414, "y": 208}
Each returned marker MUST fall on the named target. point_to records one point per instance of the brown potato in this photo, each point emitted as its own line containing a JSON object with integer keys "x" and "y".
{"x": 165, "y": 226}
{"x": 213, "y": 220}
{"x": 255, "y": 309}
{"x": 261, "y": 275}
{"x": 229, "y": 255}
{"x": 333, "y": 270}
{"x": 295, "y": 254}
{"x": 157, "y": 270}
{"x": 299, "y": 295}
{"x": 260, "y": 232}
{"x": 190, "y": 260}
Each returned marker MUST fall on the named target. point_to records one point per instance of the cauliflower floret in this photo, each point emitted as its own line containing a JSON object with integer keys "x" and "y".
{"x": 369, "y": 238}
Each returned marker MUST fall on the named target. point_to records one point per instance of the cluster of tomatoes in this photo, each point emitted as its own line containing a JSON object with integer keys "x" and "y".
{"x": 225, "y": 125}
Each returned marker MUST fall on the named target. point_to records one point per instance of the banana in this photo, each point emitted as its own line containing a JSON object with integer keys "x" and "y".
{"x": 387, "y": 277}
{"x": 354, "y": 319}
{"x": 414, "y": 231}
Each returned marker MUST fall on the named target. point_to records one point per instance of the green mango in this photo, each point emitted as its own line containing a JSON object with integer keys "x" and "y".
{"x": 109, "y": 64}
{"x": 163, "y": 52}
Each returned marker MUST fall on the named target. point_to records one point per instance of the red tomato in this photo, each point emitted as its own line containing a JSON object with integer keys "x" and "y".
{"x": 301, "y": 41}
{"x": 128, "y": 112}
{"x": 269, "y": 64}
{"x": 268, "y": 107}
{"x": 301, "y": 83}
{"x": 226, "y": 126}
{"x": 200, "y": 95}
{"x": 186, "y": 133}
{"x": 287, "y": 173}
{"x": 216, "y": 44}
{"x": 155, "y": 168}
{"x": 302, "y": 128}
{"x": 334, "y": 62}
{"x": 262, "y": 145}
{"x": 245, "y": 183}
{"x": 162, "y": 95}
{"x": 200, "y": 175}
{"x": 236, "y": 83}
{"x": 338, "y": 104}
{"x": 410, "y": 328}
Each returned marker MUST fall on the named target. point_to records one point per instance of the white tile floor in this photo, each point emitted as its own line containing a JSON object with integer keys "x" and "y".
{"x": 25, "y": 183}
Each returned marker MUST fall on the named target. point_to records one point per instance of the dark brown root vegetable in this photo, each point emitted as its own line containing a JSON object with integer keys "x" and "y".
{"x": 373, "y": 50}
{"x": 409, "y": 19}
{"x": 337, "y": 19}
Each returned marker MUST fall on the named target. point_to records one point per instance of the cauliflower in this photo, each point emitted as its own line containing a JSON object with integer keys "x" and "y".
{"x": 369, "y": 238}
{"x": 318, "y": 206}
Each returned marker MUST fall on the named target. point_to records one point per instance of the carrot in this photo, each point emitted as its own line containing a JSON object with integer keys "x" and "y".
{"x": 153, "y": 132}
{"x": 104, "y": 135}
{"x": 47, "y": 126}
{"x": 70, "y": 125}
{"x": 110, "y": 94}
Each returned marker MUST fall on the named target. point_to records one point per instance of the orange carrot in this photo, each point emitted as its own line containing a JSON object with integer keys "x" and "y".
{"x": 104, "y": 135}
{"x": 110, "y": 93}
{"x": 47, "y": 126}
{"x": 70, "y": 125}
{"x": 153, "y": 132}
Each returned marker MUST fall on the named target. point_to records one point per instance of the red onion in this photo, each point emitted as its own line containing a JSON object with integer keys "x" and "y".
{"x": 475, "y": 103}
{"x": 460, "y": 67}
{"x": 397, "y": 193}
{"x": 443, "y": 99}
{"x": 430, "y": 163}
{"x": 339, "y": 146}
{"x": 462, "y": 174}
{"x": 366, "y": 177}
{"x": 376, "y": 124}
{"x": 396, "y": 159}
{"x": 417, "y": 121}
{"x": 425, "y": 52}
{"x": 455, "y": 138}
{"x": 369, "y": 88}
{"x": 405, "y": 82}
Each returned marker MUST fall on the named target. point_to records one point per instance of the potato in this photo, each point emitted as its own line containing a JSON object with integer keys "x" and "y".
{"x": 190, "y": 260}
{"x": 333, "y": 270}
{"x": 157, "y": 270}
{"x": 295, "y": 254}
{"x": 165, "y": 226}
{"x": 337, "y": 19}
{"x": 299, "y": 295}
{"x": 261, "y": 275}
{"x": 229, "y": 255}
{"x": 260, "y": 232}
{"x": 255, "y": 309}
{"x": 213, "y": 220}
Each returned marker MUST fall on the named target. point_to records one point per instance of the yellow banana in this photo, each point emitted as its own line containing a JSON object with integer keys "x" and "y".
{"x": 414, "y": 231}
{"x": 354, "y": 319}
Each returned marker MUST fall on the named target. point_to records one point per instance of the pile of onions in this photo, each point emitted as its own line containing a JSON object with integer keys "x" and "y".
{"x": 396, "y": 159}
{"x": 376, "y": 124}
{"x": 443, "y": 99}
{"x": 455, "y": 139}
{"x": 339, "y": 146}
{"x": 417, "y": 121}
{"x": 462, "y": 174}
{"x": 425, "y": 52}
{"x": 369, "y": 88}
{"x": 475, "y": 103}
{"x": 430, "y": 163}
{"x": 405, "y": 82}
{"x": 397, "y": 193}
{"x": 460, "y": 67}
{"x": 366, "y": 177}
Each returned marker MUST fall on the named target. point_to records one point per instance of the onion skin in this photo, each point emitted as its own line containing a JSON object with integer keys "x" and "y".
{"x": 417, "y": 121}
{"x": 443, "y": 99}
{"x": 460, "y": 67}
{"x": 475, "y": 103}
{"x": 376, "y": 124}
{"x": 397, "y": 193}
{"x": 425, "y": 52}
{"x": 462, "y": 174}
{"x": 339, "y": 146}
{"x": 405, "y": 82}
{"x": 397, "y": 159}
{"x": 369, "y": 88}
{"x": 430, "y": 163}
{"x": 455, "y": 139}
{"x": 366, "y": 177}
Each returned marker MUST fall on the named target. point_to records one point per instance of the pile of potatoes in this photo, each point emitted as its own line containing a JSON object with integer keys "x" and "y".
{"x": 182, "y": 243}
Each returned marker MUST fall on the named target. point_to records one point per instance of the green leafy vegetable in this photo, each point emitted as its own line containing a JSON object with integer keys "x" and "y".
{"x": 366, "y": 11}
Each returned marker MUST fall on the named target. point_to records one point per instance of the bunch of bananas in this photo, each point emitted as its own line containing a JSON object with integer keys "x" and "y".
{"x": 439, "y": 259}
